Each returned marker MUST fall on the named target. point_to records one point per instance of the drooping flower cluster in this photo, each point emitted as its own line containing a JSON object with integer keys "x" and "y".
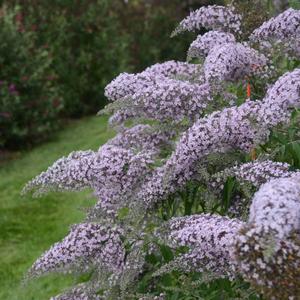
{"x": 205, "y": 43}
{"x": 256, "y": 173}
{"x": 232, "y": 62}
{"x": 268, "y": 248}
{"x": 110, "y": 172}
{"x": 128, "y": 84}
{"x": 280, "y": 99}
{"x": 67, "y": 173}
{"x": 211, "y": 17}
{"x": 172, "y": 100}
{"x": 209, "y": 239}
{"x": 87, "y": 244}
{"x": 142, "y": 138}
{"x": 283, "y": 29}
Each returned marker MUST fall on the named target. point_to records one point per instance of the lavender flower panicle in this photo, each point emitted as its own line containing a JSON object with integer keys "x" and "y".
{"x": 256, "y": 173}
{"x": 128, "y": 84}
{"x": 68, "y": 173}
{"x": 283, "y": 29}
{"x": 205, "y": 43}
{"x": 232, "y": 62}
{"x": 87, "y": 243}
{"x": 210, "y": 239}
{"x": 211, "y": 17}
{"x": 267, "y": 249}
{"x": 166, "y": 100}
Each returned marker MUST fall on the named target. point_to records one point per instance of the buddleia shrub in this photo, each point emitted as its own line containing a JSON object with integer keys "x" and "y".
{"x": 191, "y": 201}
{"x": 30, "y": 101}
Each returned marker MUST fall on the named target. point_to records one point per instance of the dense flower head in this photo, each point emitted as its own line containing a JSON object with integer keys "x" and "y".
{"x": 166, "y": 100}
{"x": 173, "y": 100}
{"x": 87, "y": 243}
{"x": 284, "y": 28}
{"x": 128, "y": 84}
{"x": 213, "y": 17}
{"x": 174, "y": 69}
{"x": 205, "y": 43}
{"x": 232, "y": 62}
{"x": 209, "y": 238}
{"x": 110, "y": 172}
{"x": 142, "y": 137}
{"x": 280, "y": 99}
{"x": 67, "y": 173}
{"x": 268, "y": 247}
{"x": 255, "y": 172}
{"x": 276, "y": 207}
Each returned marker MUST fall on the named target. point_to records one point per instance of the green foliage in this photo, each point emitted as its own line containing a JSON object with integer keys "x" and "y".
{"x": 88, "y": 46}
{"x": 29, "y": 99}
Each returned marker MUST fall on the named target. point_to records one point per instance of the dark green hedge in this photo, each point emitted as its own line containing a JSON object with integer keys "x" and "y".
{"x": 60, "y": 54}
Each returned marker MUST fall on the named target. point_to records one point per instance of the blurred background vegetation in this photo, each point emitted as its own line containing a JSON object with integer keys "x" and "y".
{"x": 57, "y": 56}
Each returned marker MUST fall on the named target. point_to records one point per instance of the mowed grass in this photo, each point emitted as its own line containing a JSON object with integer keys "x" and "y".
{"x": 30, "y": 226}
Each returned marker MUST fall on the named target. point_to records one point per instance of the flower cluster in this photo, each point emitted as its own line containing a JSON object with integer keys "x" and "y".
{"x": 173, "y": 100}
{"x": 211, "y": 17}
{"x": 110, "y": 172}
{"x": 142, "y": 138}
{"x": 232, "y": 62}
{"x": 67, "y": 173}
{"x": 268, "y": 248}
{"x": 128, "y": 84}
{"x": 283, "y": 29}
{"x": 256, "y": 173}
{"x": 280, "y": 100}
{"x": 209, "y": 239}
{"x": 205, "y": 43}
{"x": 161, "y": 92}
{"x": 87, "y": 243}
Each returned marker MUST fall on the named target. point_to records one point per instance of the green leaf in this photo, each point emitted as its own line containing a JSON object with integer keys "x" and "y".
{"x": 166, "y": 252}
{"x": 123, "y": 213}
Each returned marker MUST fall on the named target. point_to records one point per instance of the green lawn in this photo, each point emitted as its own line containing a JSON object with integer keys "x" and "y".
{"x": 30, "y": 226}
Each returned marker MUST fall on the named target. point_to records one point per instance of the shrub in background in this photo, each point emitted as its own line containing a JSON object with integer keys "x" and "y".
{"x": 30, "y": 100}
{"x": 87, "y": 43}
